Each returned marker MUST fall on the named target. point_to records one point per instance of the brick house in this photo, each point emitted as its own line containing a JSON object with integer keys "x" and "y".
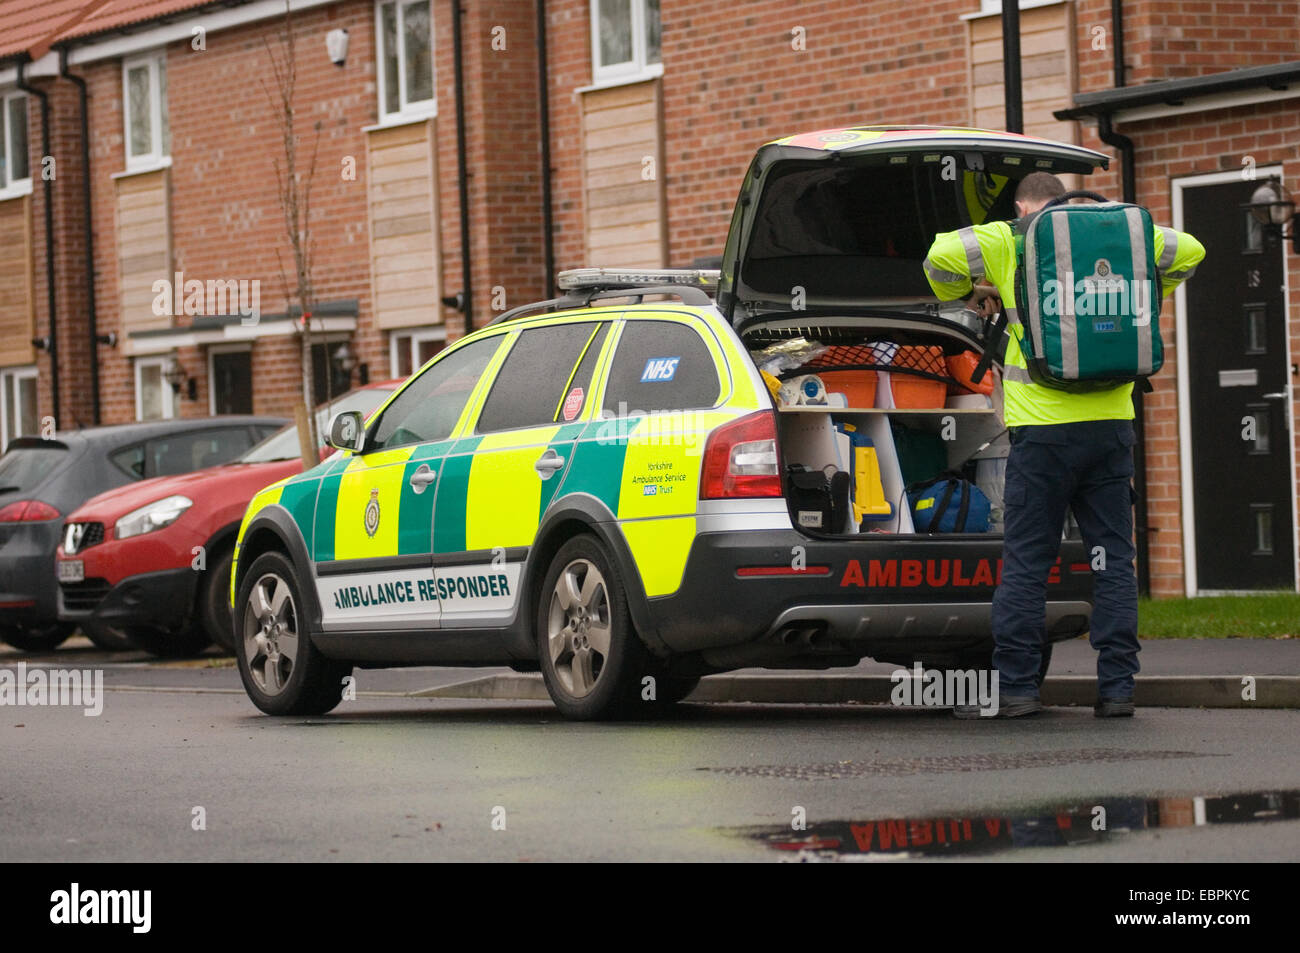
{"x": 652, "y": 111}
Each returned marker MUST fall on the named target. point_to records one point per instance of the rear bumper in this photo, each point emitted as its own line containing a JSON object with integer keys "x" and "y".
{"x": 28, "y": 590}
{"x": 158, "y": 599}
{"x": 885, "y": 597}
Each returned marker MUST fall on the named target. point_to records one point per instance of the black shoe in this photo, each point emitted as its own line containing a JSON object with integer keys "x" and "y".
{"x": 1009, "y": 706}
{"x": 1114, "y": 707}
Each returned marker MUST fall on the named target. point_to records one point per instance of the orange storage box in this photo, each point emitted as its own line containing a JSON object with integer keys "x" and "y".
{"x": 960, "y": 368}
{"x": 912, "y": 391}
{"x": 857, "y": 386}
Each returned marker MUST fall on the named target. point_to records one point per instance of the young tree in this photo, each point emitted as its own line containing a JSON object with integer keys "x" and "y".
{"x": 293, "y": 187}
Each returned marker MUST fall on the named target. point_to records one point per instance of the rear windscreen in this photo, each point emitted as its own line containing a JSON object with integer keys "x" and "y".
{"x": 23, "y": 468}
{"x": 863, "y": 231}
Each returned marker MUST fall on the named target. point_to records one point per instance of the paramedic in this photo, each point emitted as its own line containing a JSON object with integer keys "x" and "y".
{"x": 1067, "y": 450}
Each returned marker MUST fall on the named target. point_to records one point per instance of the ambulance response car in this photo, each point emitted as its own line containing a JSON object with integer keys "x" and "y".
{"x": 607, "y": 487}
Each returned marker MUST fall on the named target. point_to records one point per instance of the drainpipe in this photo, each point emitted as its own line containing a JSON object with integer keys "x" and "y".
{"x": 89, "y": 239}
{"x": 544, "y": 117}
{"x": 47, "y": 189}
{"x": 1012, "y": 94}
{"x": 467, "y": 295}
{"x": 1128, "y": 180}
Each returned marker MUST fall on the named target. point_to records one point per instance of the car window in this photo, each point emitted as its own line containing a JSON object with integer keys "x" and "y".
{"x": 183, "y": 452}
{"x": 534, "y": 378}
{"x": 23, "y": 468}
{"x": 283, "y": 444}
{"x": 660, "y": 365}
{"x": 131, "y": 461}
{"x": 428, "y": 408}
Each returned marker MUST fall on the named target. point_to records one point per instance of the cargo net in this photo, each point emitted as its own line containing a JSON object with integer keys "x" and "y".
{"x": 916, "y": 360}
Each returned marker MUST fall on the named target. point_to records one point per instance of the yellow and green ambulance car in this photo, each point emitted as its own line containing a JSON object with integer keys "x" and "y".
{"x": 598, "y": 486}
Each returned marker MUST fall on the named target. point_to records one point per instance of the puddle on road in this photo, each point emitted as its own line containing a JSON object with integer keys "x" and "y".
{"x": 1083, "y": 822}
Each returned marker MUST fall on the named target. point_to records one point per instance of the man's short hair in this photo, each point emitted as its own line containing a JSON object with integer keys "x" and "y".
{"x": 1039, "y": 187}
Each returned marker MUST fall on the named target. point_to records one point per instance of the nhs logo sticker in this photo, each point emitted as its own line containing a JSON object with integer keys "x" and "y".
{"x": 659, "y": 369}
{"x": 650, "y": 489}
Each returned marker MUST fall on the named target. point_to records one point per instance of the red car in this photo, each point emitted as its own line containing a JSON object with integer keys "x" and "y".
{"x": 149, "y": 563}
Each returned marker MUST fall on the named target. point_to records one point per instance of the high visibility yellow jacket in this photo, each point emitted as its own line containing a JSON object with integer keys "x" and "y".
{"x": 989, "y": 252}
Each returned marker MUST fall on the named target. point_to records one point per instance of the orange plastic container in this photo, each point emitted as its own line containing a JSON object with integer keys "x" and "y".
{"x": 857, "y": 386}
{"x": 960, "y": 368}
{"x": 912, "y": 392}
{"x": 916, "y": 393}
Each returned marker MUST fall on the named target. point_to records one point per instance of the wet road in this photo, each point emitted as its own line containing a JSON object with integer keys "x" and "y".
{"x": 392, "y": 778}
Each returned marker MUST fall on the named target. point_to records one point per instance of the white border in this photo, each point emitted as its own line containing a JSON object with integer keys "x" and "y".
{"x": 168, "y": 396}
{"x": 415, "y": 335}
{"x": 406, "y": 112}
{"x": 1190, "y": 582}
{"x": 14, "y": 188}
{"x": 156, "y": 63}
{"x": 18, "y": 373}
{"x": 214, "y": 350}
{"x": 629, "y": 71}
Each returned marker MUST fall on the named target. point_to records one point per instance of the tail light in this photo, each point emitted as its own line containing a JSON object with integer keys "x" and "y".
{"x": 740, "y": 459}
{"x": 27, "y": 511}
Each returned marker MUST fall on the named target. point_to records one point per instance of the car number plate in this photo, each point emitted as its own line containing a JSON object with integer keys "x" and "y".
{"x": 72, "y": 570}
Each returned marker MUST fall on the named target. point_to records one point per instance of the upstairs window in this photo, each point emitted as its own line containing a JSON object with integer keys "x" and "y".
{"x": 15, "y": 174}
{"x": 405, "y": 59}
{"x": 144, "y": 109}
{"x": 625, "y": 37}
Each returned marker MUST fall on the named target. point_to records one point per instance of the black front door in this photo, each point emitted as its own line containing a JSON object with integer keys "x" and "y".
{"x": 232, "y": 382}
{"x": 1238, "y": 375}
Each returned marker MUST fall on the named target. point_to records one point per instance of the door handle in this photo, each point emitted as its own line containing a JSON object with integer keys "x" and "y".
{"x": 1276, "y": 395}
{"x": 421, "y": 478}
{"x": 548, "y": 463}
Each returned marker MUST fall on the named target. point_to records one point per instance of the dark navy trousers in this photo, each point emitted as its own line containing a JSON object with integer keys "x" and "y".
{"x": 1088, "y": 468}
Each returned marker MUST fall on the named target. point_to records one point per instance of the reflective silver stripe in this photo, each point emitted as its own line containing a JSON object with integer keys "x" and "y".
{"x": 941, "y": 276}
{"x": 1145, "y": 311}
{"x": 1016, "y": 375}
{"x": 1069, "y": 326}
{"x": 1171, "y": 247}
{"x": 1013, "y": 317}
{"x": 1181, "y": 275}
{"x": 974, "y": 257}
{"x": 1031, "y": 272}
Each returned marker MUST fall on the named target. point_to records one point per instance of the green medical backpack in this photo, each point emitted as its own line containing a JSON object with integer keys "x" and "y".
{"x": 1089, "y": 294}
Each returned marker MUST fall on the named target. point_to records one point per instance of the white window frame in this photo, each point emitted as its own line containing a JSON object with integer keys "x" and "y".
{"x": 12, "y": 188}
{"x": 11, "y": 374}
{"x": 637, "y": 67}
{"x": 156, "y": 63}
{"x": 995, "y": 6}
{"x": 214, "y": 350}
{"x": 414, "y": 337}
{"x": 168, "y": 396}
{"x": 406, "y": 111}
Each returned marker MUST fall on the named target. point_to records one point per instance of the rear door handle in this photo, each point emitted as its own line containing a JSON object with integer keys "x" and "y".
{"x": 548, "y": 463}
{"x": 422, "y": 477}
{"x": 1276, "y": 395}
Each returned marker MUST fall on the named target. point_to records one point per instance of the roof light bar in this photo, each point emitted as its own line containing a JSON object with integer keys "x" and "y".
{"x": 587, "y": 279}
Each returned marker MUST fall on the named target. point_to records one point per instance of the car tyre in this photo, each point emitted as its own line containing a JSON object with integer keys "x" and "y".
{"x": 282, "y": 671}
{"x": 593, "y": 662}
{"x": 212, "y": 611}
{"x": 40, "y": 638}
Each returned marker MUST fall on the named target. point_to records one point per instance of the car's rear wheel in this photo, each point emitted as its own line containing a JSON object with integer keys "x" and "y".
{"x": 107, "y": 638}
{"x": 283, "y": 673}
{"x": 593, "y": 662}
{"x": 37, "y": 638}
{"x": 185, "y": 642}
{"x": 212, "y": 611}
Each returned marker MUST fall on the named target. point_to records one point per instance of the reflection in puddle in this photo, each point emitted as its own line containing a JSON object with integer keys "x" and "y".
{"x": 1078, "y": 823}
